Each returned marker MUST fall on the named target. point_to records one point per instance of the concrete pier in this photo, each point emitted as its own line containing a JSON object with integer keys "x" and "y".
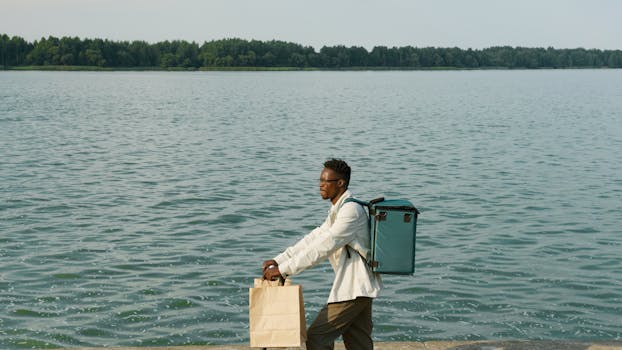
{"x": 429, "y": 345}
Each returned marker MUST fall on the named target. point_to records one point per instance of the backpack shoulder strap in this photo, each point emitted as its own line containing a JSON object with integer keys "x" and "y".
{"x": 358, "y": 201}
{"x": 366, "y": 205}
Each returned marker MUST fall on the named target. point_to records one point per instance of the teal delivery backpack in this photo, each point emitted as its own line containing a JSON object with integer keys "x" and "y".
{"x": 393, "y": 227}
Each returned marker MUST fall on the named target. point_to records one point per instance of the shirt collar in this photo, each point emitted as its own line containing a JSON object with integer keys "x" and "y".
{"x": 336, "y": 206}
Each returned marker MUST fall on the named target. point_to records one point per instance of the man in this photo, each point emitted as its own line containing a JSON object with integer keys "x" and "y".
{"x": 343, "y": 238}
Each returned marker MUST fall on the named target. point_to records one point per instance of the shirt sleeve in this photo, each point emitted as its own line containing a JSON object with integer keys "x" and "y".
{"x": 300, "y": 245}
{"x": 325, "y": 240}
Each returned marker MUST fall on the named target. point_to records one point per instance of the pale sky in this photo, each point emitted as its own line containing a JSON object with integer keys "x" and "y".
{"x": 441, "y": 23}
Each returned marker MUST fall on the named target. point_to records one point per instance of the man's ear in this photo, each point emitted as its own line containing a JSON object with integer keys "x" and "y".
{"x": 342, "y": 183}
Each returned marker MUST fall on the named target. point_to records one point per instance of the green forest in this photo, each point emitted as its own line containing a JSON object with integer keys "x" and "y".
{"x": 16, "y": 53}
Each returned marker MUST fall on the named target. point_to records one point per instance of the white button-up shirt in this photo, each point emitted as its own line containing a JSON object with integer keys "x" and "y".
{"x": 343, "y": 238}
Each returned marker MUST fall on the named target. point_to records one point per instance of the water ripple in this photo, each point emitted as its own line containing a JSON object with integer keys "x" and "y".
{"x": 137, "y": 207}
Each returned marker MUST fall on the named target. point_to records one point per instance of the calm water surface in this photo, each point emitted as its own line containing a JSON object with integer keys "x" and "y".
{"x": 136, "y": 208}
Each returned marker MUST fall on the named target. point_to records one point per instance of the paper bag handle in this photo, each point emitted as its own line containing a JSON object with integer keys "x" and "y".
{"x": 260, "y": 282}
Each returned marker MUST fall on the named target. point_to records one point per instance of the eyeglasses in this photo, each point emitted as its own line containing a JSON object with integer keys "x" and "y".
{"x": 325, "y": 181}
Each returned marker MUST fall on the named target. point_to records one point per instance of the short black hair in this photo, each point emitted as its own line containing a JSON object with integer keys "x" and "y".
{"x": 340, "y": 167}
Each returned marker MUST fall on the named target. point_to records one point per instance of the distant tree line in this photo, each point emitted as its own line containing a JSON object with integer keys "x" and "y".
{"x": 73, "y": 51}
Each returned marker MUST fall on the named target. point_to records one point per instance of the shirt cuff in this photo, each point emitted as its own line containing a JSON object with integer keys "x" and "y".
{"x": 284, "y": 256}
{"x": 284, "y": 268}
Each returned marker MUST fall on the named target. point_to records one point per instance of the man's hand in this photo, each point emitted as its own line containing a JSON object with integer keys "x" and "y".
{"x": 271, "y": 270}
{"x": 268, "y": 263}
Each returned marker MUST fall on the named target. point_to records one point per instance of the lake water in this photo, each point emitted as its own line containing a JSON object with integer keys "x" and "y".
{"x": 136, "y": 207}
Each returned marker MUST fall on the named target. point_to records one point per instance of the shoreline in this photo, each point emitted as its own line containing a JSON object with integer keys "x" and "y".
{"x": 272, "y": 69}
{"x": 424, "y": 345}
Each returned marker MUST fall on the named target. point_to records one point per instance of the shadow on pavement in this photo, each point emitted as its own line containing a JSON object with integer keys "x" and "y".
{"x": 532, "y": 345}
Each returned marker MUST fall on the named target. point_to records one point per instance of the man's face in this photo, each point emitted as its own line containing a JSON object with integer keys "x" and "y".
{"x": 331, "y": 185}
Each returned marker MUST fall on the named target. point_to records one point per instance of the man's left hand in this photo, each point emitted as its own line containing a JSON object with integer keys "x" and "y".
{"x": 272, "y": 273}
{"x": 267, "y": 263}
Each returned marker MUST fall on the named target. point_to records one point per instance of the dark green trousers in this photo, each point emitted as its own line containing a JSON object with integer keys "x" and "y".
{"x": 350, "y": 319}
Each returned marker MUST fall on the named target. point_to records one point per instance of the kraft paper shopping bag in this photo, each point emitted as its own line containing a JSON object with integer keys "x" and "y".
{"x": 276, "y": 315}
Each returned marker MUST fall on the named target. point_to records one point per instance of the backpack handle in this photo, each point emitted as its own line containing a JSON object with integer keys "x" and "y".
{"x": 377, "y": 200}
{"x": 364, "y": 203}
